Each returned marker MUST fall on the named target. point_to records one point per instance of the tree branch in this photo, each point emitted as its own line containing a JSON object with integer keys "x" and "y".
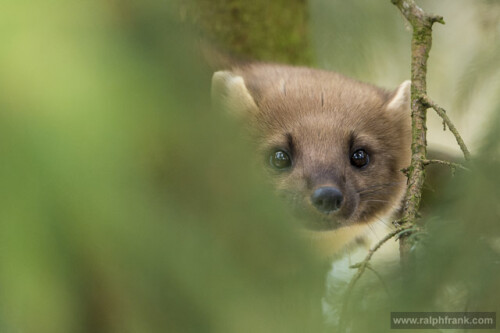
{"x": 414, "y": 14}
{"x": 420, "y": 46}
{"x": 449, "y": 164}
{"x": 361, "y": 266}
{"x": 442, "y": 113}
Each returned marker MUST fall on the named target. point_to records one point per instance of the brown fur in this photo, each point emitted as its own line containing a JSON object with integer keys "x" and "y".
{"x": 321, "y": 118}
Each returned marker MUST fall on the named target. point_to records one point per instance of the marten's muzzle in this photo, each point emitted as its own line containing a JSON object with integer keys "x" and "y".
{"x": 327, "y": 199}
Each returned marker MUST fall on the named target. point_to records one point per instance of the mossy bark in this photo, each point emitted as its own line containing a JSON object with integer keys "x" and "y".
{"x": 259, "y": 29}
{"x": 420, "y": 46}
{"x": 407, "y": 224}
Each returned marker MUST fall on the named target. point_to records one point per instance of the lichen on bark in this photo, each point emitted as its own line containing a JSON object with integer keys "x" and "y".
{"x": 421, "y": 44}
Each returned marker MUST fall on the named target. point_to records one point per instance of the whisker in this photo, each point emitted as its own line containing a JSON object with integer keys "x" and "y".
{"x": 377, "y": 188}
{"x": 384, "y": 222}
{"x": 370, "y": 226}
{"x": 385, "y": 189}
{"x": 382, "y": 185}
{"x": 375, "y": 200}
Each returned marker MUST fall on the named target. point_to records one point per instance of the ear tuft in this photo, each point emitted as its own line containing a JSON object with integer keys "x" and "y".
{"x": 230, "y": 92}
{"x": 400, "y": 100}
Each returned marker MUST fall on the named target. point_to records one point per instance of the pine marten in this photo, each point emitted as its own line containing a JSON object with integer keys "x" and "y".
{"x": 333, "y": 146}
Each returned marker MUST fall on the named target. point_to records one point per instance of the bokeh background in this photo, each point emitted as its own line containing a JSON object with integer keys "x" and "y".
{"x": 129, "y": 205}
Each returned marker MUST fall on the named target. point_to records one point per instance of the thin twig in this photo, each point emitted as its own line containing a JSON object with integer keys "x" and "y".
{"x": 449, "y": 164}
{"x": 361, "y": 266}
{"x": 442, "y": 113}
{"x": 382, "y": 282}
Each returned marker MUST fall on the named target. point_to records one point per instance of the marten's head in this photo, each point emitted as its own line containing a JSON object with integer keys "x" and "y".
{"x": 334, "y": 146}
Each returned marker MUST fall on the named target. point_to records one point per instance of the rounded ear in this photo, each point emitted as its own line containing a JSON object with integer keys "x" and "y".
{"x": 400, "y": 99}
{"x": 230, "y": 93}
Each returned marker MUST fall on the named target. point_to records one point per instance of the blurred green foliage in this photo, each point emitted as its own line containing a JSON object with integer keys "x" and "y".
{"x": 128, "y": 205}
{"x": 124, "y": 208}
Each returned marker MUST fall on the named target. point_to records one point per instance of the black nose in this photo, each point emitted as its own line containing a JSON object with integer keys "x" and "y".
{"x": 327, "y": 199}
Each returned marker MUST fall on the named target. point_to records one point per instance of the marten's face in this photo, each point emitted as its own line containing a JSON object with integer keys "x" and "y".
{"x": 333, "y": 147}
{"x": 334, "y": 175}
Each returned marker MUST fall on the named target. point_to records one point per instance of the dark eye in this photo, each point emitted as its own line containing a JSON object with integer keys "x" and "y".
{"x": 360, "y": 158}
{"x": 280, "y": 160}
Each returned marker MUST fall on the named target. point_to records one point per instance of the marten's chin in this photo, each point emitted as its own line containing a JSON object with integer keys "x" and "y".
{"x": 322, "y": 225}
